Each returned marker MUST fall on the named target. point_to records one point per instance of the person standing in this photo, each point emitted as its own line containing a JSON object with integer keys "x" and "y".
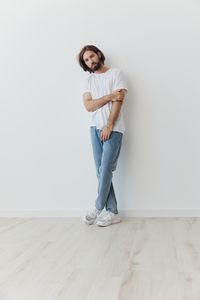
{"x": 103, "y": 96}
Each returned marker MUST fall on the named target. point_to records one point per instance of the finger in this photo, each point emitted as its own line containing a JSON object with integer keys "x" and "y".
{"x": 116, "y": 92}
{"x": 101, "y": 136}
{"x": 106, "y": 137}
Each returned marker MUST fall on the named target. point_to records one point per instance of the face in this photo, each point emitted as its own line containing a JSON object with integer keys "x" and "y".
{"x": 92, "y": 60}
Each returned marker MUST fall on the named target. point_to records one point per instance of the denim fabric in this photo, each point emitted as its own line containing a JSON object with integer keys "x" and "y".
{"x": 106, "y": 154}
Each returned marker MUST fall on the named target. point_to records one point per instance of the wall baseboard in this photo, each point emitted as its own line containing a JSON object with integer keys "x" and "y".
{"x": 151, "y": 213}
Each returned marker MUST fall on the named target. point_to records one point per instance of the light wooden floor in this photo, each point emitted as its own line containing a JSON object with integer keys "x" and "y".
{"x": 64, "y": 259}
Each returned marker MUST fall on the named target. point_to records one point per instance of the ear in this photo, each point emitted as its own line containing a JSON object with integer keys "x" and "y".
{"x": 99, "y": 54}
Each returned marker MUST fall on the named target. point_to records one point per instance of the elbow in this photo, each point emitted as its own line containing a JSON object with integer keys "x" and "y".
{"x": 89, "y": 105}
{"x": 88, "y": 109}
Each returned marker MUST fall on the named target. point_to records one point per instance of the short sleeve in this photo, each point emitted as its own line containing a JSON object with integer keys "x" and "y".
{"x": 85, "y": 87}
{"x": 120, "y": 81}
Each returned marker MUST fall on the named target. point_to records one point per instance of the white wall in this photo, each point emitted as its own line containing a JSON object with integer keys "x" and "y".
{"x": 46, "y": 163}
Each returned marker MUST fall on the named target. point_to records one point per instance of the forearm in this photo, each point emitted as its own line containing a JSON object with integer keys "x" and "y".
{"x": 116, "y": 107}
{"x": 95, "y": 104}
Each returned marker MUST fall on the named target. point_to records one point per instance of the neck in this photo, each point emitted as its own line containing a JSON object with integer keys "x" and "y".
{"x": 103, "y": 69}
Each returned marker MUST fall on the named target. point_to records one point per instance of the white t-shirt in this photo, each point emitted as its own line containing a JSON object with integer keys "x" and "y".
{"x": 99, "y": 85}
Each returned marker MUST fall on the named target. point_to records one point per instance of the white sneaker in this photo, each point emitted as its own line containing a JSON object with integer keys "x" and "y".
{"x": 108, "y": 218}
{"x": 91, "y": 216}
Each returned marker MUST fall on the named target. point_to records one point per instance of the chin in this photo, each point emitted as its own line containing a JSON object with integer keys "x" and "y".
{"x": 96, "y": 68}
{"x": 93, "y": 70}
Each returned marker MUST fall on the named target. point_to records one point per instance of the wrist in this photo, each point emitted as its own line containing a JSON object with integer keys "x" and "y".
{"x": 110, "y": 126}
{"x": 109, "y": 97}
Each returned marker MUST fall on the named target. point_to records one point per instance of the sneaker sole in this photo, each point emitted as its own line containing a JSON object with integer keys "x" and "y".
{"x": 102, "y": 224}
{"x": 91, "y": 222}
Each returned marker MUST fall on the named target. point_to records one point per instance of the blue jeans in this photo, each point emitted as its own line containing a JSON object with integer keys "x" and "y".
{"x": 106, "y": 154}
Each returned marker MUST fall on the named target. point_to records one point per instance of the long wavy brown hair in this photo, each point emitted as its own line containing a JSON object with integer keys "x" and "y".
{"x": 90, "y": 48}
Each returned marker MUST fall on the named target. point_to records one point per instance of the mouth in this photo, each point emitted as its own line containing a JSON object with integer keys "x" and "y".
{"x": 94, "y": 66}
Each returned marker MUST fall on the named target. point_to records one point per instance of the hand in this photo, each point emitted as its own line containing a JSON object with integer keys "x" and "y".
{"x": 105, "y": 133}
{"x": 118, "y": 96}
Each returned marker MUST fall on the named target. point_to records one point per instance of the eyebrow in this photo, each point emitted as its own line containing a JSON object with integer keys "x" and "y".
{"x": 88, "y": 56}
